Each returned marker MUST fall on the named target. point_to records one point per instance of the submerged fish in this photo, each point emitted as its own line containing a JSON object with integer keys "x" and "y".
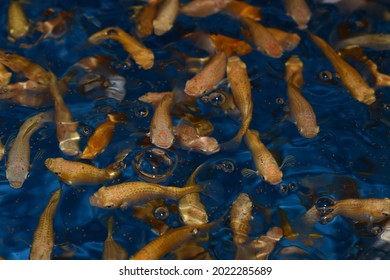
{"x": 169, "y": 241}
{"x": 143, "y": 56}
{"x": 266, "y": 165}
{"x": 102, "y": 136}
{"x": 299, "y": 11}
{"x": 43, "y": 241}
{"x": 136, "y": 193}
{"x": 145, "y": 20}
{"x": 166, "y": 16}
{"x": 238, "y": 9}
{"x": 240, "y": 216}
{"x": 288, "y": 41}
{"x": 208, "y": 77}
{"x": 203, "y": 8}
{"x": 301, "y": 111}
{"x": 147, "y": 213}
{"x": 18, "y": 162}
{"x": 18, "y": 25}
{"x": 77, "y": 173}
{"x": 111, "y": 249}
{"x": 5, "y": 76}
{"x": 351, "y": 78}
{"x": 265, "y": 244}
{"x": 378, "y": 42}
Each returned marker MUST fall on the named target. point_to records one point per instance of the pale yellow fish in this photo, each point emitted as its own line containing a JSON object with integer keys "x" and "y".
{"x": 203, "y": 8}
{"x": 240, "y": 216}
{"x": 143, "y": 56}
{"x": 299, "y": 11}
{"x": 349, "y": 76}
{"x": 67, "y": 134}
{"x": 43, "y": 242}
{"x": 111, "y": 249}
{"x": 166, "y": 16}
{"x": 18, "y": 25}
{"x": 18, "y": 162}
{"x": 301, "y": 111}
{"x": 137, "y": 193}
{"x": 77, "y": 173}
{"x": 266, "y": 165}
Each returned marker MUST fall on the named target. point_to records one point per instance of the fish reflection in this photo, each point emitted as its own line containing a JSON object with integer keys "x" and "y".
{"x": 18, "y": 162}
{"x": 77, "y": 173}
{"x": 111, "y": 249}
{"x": 43, "y": 241}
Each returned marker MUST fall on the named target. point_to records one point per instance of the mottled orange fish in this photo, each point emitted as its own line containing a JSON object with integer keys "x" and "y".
{"x": 43, "y": 241}
{"x": 208, "y": 77}
{"x": 102, "y": 136}
{"x": 191, "y": 209}
{"x": 288, "y": 41}
{"x": 18, "y": 162}
{"x": 238, "y": 9}
{"x": 230, "y": 45}
{"x": 240, "y": 216}
{"x": 143, "y": 56}
{"x": 111, "y": 249}
{"x": 18, "y": 25}
{"x": 263, "y": 39}
{"x": 145, "y": 20}
{"x": 203, "y": 8}
{"x": 242, "y": 93}
{"x": 166, "y": 16}
{"x": 77, "y": 173}
{"x": 136, "y": 193}
{"x": 67, "y": 134}
{"x": 301, "y": 111}
{"x": 351, "y": 78}
{"x": 169, "y": 241}
{"x": 266, "y": 165}
{"x": 299, "y": 11}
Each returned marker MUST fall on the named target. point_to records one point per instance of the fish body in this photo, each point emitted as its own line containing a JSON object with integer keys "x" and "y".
{"x": 161, "y": 128}
{"x": 43, "y": 241}
{"x": 378, "y": 42}
{"x": 299, "y": 11}
{"x": 18, "y": 163}
{"x": 263, "y": 39}
{"x": 208, "y": 77}
{"x": 143, "y": 56}
{"x": 136, "y": 193}
{"x": 145, "y": 20}
{"x": 5, "y": 76}
{"x": 230, "y": 45}
{"x": 102, "y": 136}
{"x": 169, "y": 241}
{"x": 265, "y": 244}
{"x": 111, "y": 249}
{"x": 242, "y": 93}
{"x": 240, "y": 216}
{"x": 191, "y": 209}
{"x": 203, "y": 8}
{"x": 302, "y": 113}
{"x": 238, "y": 9}
{"x": 166, "y": 16}
{"x": 372, "y": 210}
{"x": 31, "y": 70}
{"x": 67, "y": 134}
{"x": 351, "y": 78}
{"x": 288, "y": 41}
{"x": 17, "y": 22}
{"x": 266, "y": 165}
{"x": 77, "y": 173}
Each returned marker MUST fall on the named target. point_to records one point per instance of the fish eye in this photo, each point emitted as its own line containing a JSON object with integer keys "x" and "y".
{"x": 58, "y": 173}
{"x": 108, "y": 206}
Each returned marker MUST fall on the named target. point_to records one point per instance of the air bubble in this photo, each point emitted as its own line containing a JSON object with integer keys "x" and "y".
{"x": 386, "y": 106}
{"x": 280, "y": 100}
{"x": 155, "y": 164}
{"x": 326, "y": 75}
{"x": 225, "y": 166}
{"x": 292, "y": 186}
{"x": 161, "y": 213}
{"x": 141, "y": 112}
{"x": 324, "y": 204}
{"x": 86, "y": 130}
{"x": 283, "y": 189}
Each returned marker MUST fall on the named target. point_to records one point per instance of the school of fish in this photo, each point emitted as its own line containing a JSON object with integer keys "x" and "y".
{"x": 208, "y": 107}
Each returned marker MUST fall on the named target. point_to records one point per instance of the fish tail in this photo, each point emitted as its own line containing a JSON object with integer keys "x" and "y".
{"x": 212, "y": 189}
{"x": 117, "y": 117}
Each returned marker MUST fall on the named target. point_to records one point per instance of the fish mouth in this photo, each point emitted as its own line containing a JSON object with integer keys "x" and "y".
{"x": 16, "y": 184}
{"x": 48, "y": 162}
{"x": 93, "y": 200}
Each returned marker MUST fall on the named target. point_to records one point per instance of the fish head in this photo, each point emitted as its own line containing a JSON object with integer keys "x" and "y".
{"x": 194, "y": 88}
{"x": 162, "y": 137}
{"x": 301, "y": 16}
{"x": 367, "y": 95}
{"x": 102, "y": 199}
{"x": 54, "y": 165}
{"x": 16, "y": 173}
{"x": 272, "y": 174}
{"x": 309, "y": 131}
{"x": 207, "y": 145}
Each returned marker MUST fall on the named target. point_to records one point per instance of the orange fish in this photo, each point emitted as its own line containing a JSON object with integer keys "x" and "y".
{"x": 208, "y": 77}
{"x": 166, "y": 16}
{"x": 143, "y": 56}
{"x": 102, "y": 136}
{"x": 240, "y": 216}
{"x": 203, "y": 8}
{"x": 301, "y": 111}
{"x": 18, "y": 25}
{"x": 5, "y": 76}
{"x": 351, "y": 78}
{"x": 238, "y": 9}
{"x": 299, "y": 11}
{"x": 288, "y": 41}
{"x": 230, "y": 45}
{"x": 266, "y": 165}
{"x": 263, "y": 39}
{"x": 145, "y": 20}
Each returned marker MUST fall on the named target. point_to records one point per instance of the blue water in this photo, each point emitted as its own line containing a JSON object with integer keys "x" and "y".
{"x": 348, "y": 159}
